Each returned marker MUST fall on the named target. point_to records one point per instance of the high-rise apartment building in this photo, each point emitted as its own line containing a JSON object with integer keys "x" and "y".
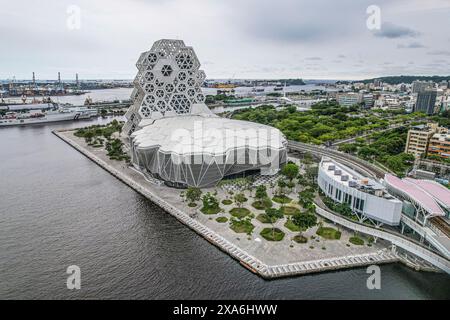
{"x": 426, "y": 101}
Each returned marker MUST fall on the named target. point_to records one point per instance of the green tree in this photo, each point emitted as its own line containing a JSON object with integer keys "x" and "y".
{"x": 304, "y": 221}
{"x": 281, "y": 187}
{"x": 209, "y": 201}
{"x": 348, "y": 148}
{"x": 273, "y": 215}
{"x": 290, "y": 171}
{"x": 261, "y": 192}
{"x": 240, "y": 199}
{"x": 193, "y": 194}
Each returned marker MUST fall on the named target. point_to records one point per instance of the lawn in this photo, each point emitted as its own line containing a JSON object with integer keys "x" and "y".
{"x": 272, "y": 234}
{"x": 300, "y": 239}
{"x": 292, "y": 226}
{"x": 328, "y": 233}
{"x": 241, "y": 226}
{"x": 222, "y": 219}
{"x": 262, "y": 204}
{"x": 356, "y": 241}
{"x": 239, "y": 212}
{"x": 282, "y": 199}
{"x": 264, "y": 218}
{"x": 212, "y": 210}
{"x": 290, "y": 211}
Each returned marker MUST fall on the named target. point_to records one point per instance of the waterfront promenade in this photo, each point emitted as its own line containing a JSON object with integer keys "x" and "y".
{"x": 267, "y": 259}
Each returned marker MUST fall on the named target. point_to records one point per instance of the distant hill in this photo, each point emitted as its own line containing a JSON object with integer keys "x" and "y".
{"x": 407, "y": 79}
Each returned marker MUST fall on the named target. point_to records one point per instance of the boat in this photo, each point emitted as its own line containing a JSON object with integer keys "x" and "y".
{"x": 56, "y": 114}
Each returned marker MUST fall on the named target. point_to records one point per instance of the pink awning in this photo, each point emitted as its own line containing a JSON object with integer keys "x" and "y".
{"x": 436, "y": 190}
{"x": 415, "y": 193}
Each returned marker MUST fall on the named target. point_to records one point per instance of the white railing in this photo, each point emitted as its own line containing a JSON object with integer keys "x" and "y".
{"x": 421, "y": 252}
{"x": 423, "y": 232}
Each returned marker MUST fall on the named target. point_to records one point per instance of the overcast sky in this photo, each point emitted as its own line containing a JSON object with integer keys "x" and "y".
{"x": 320, "y": 39}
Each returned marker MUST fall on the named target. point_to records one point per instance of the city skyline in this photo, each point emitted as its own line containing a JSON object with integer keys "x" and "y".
{"x": 252, "y": 40}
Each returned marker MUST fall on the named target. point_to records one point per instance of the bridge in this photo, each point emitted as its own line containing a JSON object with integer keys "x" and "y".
{"x": 396, "y": 240}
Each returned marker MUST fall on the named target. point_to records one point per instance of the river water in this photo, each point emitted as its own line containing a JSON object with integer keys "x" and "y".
{"x": 57, "y": 209}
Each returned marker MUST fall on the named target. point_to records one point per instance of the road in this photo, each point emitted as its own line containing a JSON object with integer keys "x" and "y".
{"x": 353, "y": 162}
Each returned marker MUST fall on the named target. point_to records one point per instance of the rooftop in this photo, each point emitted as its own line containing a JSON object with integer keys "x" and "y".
{"x": 350, "y": 178}
{"x": 423, "y": 192}
{"x": 206, "y": 134}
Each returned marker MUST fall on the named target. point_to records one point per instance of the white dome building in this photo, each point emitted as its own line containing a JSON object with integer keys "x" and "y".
{"x": 176, "y": 138}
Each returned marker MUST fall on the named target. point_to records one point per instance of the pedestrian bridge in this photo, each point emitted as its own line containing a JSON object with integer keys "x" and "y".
{"x": 396, "y": 240}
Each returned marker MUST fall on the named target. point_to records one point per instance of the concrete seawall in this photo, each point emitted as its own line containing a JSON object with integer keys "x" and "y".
{"x": 247, "y": 260}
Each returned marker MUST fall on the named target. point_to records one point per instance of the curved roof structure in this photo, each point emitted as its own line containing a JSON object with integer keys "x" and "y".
{"x": 440, "y": 193}
{"x": 176, "y": 138}
{"x": 415, "y": 193}
{"x": 206, "y": 134}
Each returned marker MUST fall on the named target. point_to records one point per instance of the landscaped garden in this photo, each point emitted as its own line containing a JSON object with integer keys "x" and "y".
{"x": 241, "y": 226}
{"x": 283, "y": 199}
{"x": 290, "y": 211}
{"x": 272, "y": 234}
{"x": 248, "y": 209}
{"x": 356, "y": 241}
{"x": 98, "y": 136}
{"x": 239, "y": 212}
{"x": 328, "y": 233}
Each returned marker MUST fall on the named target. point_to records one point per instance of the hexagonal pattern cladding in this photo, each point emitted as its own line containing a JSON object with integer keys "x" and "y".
{"x": 168, "y": 80}
{"x": 168, "y": 98}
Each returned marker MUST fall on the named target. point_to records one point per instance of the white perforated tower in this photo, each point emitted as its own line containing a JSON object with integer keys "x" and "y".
{"x": 168, "y": 83}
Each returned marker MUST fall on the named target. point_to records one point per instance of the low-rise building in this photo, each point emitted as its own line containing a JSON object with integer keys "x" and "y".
{"x": 349, "y": 99}
{"x": 366, "y": 197}
{"x": 418, "y": 139}
{"x": 439, "y": 145}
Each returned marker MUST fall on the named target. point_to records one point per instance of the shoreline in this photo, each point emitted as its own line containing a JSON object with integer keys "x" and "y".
{"x": 253, "y": 264}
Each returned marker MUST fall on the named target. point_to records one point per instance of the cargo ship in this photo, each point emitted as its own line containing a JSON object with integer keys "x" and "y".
{"x": 55, "y": 114}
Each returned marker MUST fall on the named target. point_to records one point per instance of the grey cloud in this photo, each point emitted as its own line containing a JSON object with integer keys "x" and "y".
{"x": 439, "y": 53}
{"x": 294, "y": 21}
{"x": 412, "y": 45}
{"x": 392, "y": 31}
{"x": 313, "y": 58}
